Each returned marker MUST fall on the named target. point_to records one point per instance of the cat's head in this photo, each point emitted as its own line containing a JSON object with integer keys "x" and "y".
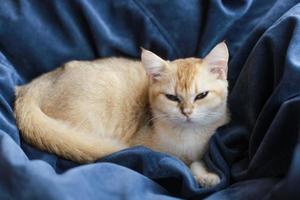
{"x": 188, "y": 92}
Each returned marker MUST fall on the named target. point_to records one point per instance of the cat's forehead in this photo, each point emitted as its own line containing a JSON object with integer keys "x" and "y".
{"x": 186, "y": 72}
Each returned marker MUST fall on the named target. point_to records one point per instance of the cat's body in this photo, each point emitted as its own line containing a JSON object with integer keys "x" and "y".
{"x": 88, "y": 109}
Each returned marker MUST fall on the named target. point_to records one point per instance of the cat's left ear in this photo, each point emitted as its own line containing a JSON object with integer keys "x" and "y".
{"x": 217, "y": 60}
{"x": 153, "y": 64}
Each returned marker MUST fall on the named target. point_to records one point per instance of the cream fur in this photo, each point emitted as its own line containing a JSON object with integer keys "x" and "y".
{"x": 85, "y": 110}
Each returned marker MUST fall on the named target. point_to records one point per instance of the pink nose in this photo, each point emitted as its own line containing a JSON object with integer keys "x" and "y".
{"x": 187, "y": 111}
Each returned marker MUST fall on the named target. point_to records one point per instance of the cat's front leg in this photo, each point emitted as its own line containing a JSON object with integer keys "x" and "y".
{"x": 203, "y": 176}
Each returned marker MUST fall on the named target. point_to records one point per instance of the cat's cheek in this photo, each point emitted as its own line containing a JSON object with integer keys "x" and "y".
{"x": 209, "y": 103}
{"x": 166, "y": 105}
{"x": 166, "y": 109}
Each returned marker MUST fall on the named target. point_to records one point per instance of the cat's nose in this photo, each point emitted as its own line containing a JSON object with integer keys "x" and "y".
{"x": 187, "y": 111}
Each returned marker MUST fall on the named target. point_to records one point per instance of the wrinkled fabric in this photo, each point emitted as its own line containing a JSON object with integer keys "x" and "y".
{"x": 257, "y": 155}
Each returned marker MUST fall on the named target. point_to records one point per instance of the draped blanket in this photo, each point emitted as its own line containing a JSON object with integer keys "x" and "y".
{"x": 257, "y": 155}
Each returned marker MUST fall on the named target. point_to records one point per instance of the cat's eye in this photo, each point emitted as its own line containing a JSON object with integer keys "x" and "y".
{"x": 172, "y": 97}
{"x": 201, "y": 95}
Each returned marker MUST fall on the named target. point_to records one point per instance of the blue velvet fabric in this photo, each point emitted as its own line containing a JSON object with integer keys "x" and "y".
{"x": 257, "y": 155}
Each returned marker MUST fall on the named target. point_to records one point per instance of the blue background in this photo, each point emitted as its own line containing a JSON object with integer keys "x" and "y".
{"x": 257, "y": 155}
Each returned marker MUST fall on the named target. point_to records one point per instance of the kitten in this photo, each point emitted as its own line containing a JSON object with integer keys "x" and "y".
{"x": 85, "y": 110}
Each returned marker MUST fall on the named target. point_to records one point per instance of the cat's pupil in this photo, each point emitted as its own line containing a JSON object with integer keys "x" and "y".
{"x": 201, "y": 95}
{"x": 172, "y": 97}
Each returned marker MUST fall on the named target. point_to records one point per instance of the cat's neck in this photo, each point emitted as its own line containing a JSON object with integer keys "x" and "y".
{"x": 179, "y": 130}
{"x": 186, "y": 143}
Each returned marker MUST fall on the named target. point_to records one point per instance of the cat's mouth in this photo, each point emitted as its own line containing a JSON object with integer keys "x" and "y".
{"x": 189, "y": 120}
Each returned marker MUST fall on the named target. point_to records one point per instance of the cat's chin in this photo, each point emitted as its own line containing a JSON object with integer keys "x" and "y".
{"x": 192, "y": 124}
{"x": 187, "y": 123}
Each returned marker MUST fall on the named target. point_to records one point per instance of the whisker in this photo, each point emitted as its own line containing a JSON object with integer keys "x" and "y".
{"x": 158, "y": 116}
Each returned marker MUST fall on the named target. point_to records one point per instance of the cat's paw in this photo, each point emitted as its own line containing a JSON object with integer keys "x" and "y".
{"x": 207, "y": 180}
{"x": 204, "y": 177}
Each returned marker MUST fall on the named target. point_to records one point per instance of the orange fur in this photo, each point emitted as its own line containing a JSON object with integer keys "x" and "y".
{"x": 187, "y": 70}
{"x": 85, "y": 110}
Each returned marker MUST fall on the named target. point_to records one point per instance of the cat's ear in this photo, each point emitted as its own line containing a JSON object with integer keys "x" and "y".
{"x": 217, "y": 60}
{"x": 153, "y": 64}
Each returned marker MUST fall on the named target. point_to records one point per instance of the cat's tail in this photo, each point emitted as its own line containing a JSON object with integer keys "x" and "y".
{"x": 53, "y": 135}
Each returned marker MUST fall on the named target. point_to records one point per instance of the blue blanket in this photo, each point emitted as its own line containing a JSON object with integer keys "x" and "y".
{"x": 257, "y": 155}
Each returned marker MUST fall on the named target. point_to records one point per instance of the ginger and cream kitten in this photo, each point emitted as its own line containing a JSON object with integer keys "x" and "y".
{"x": 85, "y": 110}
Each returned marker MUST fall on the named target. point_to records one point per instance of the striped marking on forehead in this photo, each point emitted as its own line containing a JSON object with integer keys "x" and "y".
{"x": 187, "y": 70}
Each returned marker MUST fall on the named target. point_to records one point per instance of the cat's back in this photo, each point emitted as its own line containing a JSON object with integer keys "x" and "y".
{"x": 106, "y": 68}
{"x": 102, "y": 76}
{"x": 108, "y": 95}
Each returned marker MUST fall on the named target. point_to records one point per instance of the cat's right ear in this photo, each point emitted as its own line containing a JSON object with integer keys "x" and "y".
{"x": 153, "y": 64}
{"x": 217, "y": 60}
